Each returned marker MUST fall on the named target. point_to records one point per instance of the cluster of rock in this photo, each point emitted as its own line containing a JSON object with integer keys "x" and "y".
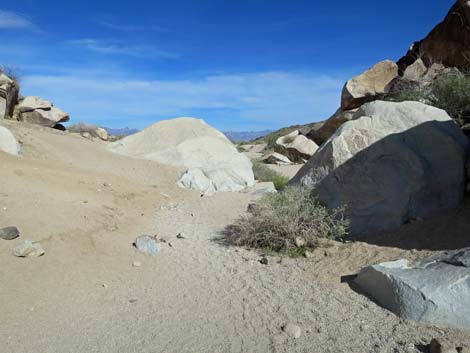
{"x": 211, "y": 162}
{"x": 35, "y": 110}
{"x": 28, "y": 248}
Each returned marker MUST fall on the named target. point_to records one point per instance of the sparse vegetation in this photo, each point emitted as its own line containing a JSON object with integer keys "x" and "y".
{"x": 450, "y": 92}
{"x": 291, "y": 221}
{"x": 264, "y": 173}
{"x": 82, "y": 127}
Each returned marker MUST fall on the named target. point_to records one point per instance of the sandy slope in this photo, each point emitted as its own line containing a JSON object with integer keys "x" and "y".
{"x": 87, "y": 205}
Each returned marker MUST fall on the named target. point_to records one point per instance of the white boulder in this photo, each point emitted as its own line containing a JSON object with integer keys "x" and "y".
{"x": 434, "y": 291}
{"x": 211, "y": 161}
{"x": 36, "y": 110}
{"x": 8, "y": 142}
{"x": 391, "y": 163}
{"x": 295, "y": 146}
{"x": 276, "y": 158}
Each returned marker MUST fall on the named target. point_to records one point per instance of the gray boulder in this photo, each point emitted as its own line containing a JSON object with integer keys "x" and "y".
{"x": 434, "y": 291}
{"x": 391, "y": 163}
{"x": 276, "y": 158}
{"x": 8, "y": 96}
{"x": 8, "y": 142}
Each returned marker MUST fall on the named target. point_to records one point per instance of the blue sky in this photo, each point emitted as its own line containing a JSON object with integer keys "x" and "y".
{"x": 240, "y": 65}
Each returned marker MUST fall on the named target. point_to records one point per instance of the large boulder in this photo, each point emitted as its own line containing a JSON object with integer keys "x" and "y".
{"x": 368, "y": 85}
{"x": 276, "y": 158}
{"x": 448, "y": 43}
{"x": 211, "y": 161}
{"x": 36, "y": 110}
{"x": 9, "y": 90}
{"x": 8, "y": 142}
{"x": 295, "y": 146}
{"x": 393, "y": 162}
{"x": 434, "y": 291}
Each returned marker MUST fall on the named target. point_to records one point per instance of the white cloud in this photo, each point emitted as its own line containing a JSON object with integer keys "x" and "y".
{"x": 132, "y": 28}
{"x": 11, "y": 20}
{"x": 244, "y": 101}
{"x": 114, "y": 48}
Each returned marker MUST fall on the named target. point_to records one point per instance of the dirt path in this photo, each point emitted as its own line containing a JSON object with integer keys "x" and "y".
{"x": 85, "y": 295}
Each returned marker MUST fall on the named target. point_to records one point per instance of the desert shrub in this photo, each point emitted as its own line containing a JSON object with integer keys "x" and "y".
{"x": 263, "y": 173}
{"x": 12, "y": 72}
{"x": 449, "y": 91}
{"x": 278, "y": 221}
{"x": 82, "y": 127}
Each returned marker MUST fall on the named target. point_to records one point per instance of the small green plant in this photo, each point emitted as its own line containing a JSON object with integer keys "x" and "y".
{"x": 263, "y": 173}
{"x": 278, "y": 221}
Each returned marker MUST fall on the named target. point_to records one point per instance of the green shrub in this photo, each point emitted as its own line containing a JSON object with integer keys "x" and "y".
{"x": 263, "y": 173}
{"x": 278, "y": 221}
{"x": 449, "y": 91}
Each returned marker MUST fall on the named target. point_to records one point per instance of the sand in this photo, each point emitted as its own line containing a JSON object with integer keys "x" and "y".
{"x": 86, "y": 206}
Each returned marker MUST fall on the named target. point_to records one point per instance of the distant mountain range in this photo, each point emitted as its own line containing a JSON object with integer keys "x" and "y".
{"x": 121, "y": 132}
{"x": 238, "y": 136}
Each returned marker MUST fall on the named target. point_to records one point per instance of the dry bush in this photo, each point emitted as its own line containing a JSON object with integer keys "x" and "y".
{"x": 264, "y": 173}
{"x": 278, "y": 220}
{"x": 82, "y": 127}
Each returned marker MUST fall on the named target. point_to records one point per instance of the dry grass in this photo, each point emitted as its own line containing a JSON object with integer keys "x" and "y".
{"x": 82, "y": 127}
{"x": 264, "y": 173}
{"x": 290, "y": 221}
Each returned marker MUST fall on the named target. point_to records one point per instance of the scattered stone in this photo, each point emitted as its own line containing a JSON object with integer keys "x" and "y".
{"x": 136, "y": 264}
{"x": 182, "y": 236}
{"x": 29, "y": 248}
{"x": 292, "y": 330}
{"x": 170, "y": 244}
{"x": 36, "y": 110}
{"x": 261, "y": 188}
{"x": 264, "y": 260}
{"x": 147, "y": 244}
{"x": 9, "y": 233}
{"x": 299, "y": 242}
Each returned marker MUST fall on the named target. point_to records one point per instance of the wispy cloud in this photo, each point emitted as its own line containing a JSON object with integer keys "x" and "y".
{"x": 241, "y": 101}
{"x": 115, "y": 48}
{"x": 132, "y": 28}
{"x": 11, "y": 20}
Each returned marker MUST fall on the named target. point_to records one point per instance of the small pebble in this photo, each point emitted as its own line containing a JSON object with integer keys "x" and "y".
{"x": 181, "y": 236}
{"x": 292, "y": 330}
{"x": 264, "y": 260}
{"x": 9, "y": 233}
{"x": 136, "y": 264}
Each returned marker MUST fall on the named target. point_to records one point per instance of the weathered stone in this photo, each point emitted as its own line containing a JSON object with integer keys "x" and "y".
{"x": 8, "y": 142}
{"x": 365, "y": 87}
{"x": 393, "y": 162}
{"x": 434, "y": 290}
{"x": 211, "y": 161}
{"x": 47, "y": 118}
{"x": 9, "y": 91}
{"x": 147, "y": 244}
{"x": 276, "y": 158}
{"x": 292, "y": 330}
{"x": 29, "y": 248}
{"x": 101, "y": 133}
{"x": 415, "y": 71}
{"x": 28, "y": 104}
{"x": 330, "y": 126}
{"x": 295, "y": 146}
{"x": 9, "y": 233}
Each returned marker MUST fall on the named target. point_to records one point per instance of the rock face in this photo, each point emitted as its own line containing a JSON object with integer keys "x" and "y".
{"x": 36, "y": 110}
{"x": 448, "y": 43}
{"x": 435, "y": 290}
{"x": 365, "y": 87}
{"x": 391, "y": 163}
{"x": 295, "y": 146}
{"x": 211, "y": 161}
{"x": 8, "y": 142}
{"x": 9, "y": 90}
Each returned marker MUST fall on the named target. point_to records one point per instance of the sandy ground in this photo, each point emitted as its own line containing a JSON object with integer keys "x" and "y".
{"x": 86, "y": 206}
